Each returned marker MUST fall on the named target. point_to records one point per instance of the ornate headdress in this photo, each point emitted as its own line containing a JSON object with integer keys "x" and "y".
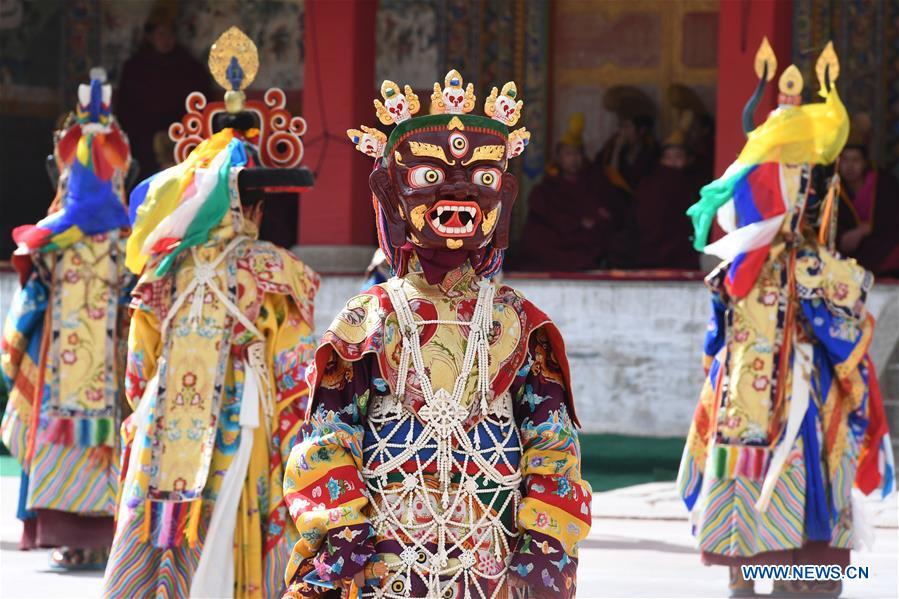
{"x": 748, "y": 198}
{"x": 234, "y": 63}
{"x": 180, "y": 206}
{"x": 450, "y": 107}
{"x": 450, "y": 111}
{"x": 93, "y": 153}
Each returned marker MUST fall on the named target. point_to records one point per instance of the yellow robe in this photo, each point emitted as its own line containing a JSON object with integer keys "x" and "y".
{"x": 156, "y": 554}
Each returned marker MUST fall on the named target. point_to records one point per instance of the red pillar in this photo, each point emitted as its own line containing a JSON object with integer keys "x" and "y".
{"x": 337, "y": 95}
{"x": 741, "y": 26}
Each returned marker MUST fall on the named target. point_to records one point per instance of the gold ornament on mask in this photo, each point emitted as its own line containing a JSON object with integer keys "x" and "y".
{"x": 453, "y": 87}
{"x": 489, "y": 221}
{"x": 393, "y": 110}
{"x": 508, "y": 96}
{"x": 417, "y": 215}
{"x": 422, "y": 149}
{"x": 486, "y": 153}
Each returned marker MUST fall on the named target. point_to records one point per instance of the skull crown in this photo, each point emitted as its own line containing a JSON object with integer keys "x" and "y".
{"x": 453, "y": 97}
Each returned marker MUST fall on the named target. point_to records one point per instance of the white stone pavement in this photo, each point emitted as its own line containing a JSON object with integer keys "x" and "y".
{"x": 640, "y": 546}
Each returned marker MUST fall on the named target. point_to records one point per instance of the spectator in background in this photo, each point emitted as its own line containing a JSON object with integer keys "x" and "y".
{"x": 625, "y": 159}
{"x": 692, "y": 119}
{"x": 661, "y": 203}
{"x": 154, "y": 84}
{"x": 566, "y": 223}
{"x": 701, "y": 142}
{"x": 868, "y": 217}
{"x": 632, "y": 151}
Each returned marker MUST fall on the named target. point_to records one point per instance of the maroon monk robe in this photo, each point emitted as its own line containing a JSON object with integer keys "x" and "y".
{"x": 615, "y": 188}
{"x": 554, "y": 237}
{"x": 633, "y": 166}
{"x": 664, "y": 228}
{"x": 878, "y": 251}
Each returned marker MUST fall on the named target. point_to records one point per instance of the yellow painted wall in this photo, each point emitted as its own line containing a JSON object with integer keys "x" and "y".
{"x": 651, "y": 44}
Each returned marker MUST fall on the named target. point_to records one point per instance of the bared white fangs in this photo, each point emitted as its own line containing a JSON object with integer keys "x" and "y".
{"x": 456, "y": 219}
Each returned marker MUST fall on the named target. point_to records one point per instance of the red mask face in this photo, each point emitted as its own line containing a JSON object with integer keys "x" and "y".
{"x": 447, "y": 189}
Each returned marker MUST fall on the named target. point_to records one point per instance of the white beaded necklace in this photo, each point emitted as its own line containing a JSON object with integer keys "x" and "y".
{"x": 478, "y": 343}
{"x": 444, "y": 411}
{"x": 443, "y": 416}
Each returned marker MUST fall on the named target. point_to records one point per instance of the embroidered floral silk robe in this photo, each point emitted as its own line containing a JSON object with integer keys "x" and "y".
{"x": 64, "y": 335}
{"x": 363, "y": 484}
{"x": 160, "y": 534}
{"x": 744, "y": 412}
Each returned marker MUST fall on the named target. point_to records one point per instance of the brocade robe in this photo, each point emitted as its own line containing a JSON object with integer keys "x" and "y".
{"x": 179, "y": 454}
{"x": 365, "y": 485}
{"x": 62, "y": 355}
{"x": 776, "y": 360}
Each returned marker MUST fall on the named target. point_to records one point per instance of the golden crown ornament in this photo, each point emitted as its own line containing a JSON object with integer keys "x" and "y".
{"x": 454, "y": 100}
{"x": 505, "y": 108}
{"x": 397, "y": 107}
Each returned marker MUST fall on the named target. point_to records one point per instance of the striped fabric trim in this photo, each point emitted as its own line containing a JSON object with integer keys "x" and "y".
{"x": 275, "y": 564}
{"x": 731, "y": 461}
{"x": 689, "y": 478}
{"x": 137, "y": 569}
{"x": 14, "y": 432}
{"x": 73, "y": 479}
{"x": 80, "y": 432}
{"x": 731, "y": 526}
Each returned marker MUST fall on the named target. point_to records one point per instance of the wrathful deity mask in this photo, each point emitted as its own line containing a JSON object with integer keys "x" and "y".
{"x": 445, "y": 185}
{"x": 440, "y": 181}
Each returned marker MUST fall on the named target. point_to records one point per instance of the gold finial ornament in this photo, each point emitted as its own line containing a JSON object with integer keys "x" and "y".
{"x": 765, "y": 56}
{"x": 828, "y": 67}
{"x": 234, "y": 62}
{"x": 790, "y": 82}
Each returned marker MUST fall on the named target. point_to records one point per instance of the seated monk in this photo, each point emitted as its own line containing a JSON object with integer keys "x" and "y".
{"x": 629, "y": 154}
{"x": 565, "y": 223}
{"x": 661, "y": 204}
{"x": 617, "y": 169}
{"x": 868, "y": 217}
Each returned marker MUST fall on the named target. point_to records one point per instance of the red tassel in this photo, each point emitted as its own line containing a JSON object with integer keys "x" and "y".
{"x": 868, "y": 476}
{"x": 100, "y": 456}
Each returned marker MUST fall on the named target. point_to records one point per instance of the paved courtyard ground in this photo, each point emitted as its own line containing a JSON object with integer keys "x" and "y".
{"x": 640, "y": 546}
